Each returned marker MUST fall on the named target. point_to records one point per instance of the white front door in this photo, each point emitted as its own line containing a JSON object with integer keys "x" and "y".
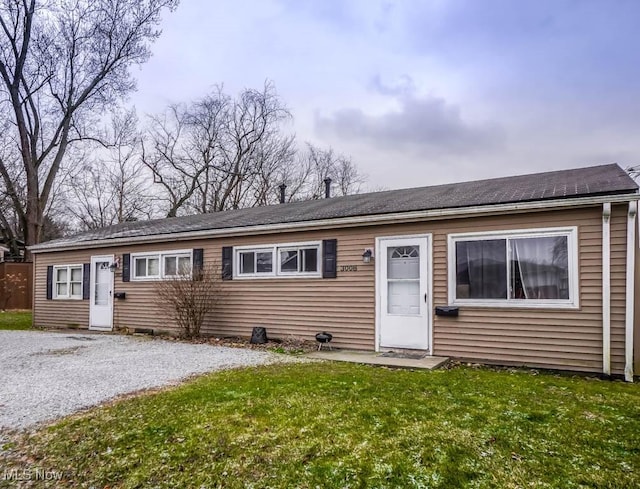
{"x": 404, "y": 298}
{"x": 101, "y": 293}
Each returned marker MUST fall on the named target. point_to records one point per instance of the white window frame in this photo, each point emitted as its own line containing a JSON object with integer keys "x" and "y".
{"x": 298, "y": 249}
{"x": 176, "y": 254}
{"x": 253, "y": 249}
{"x": 570, "y": 232}
{"x": 275, "y": 249}
{"x": 160, "y": 255}
{"x": 54, "y": 282}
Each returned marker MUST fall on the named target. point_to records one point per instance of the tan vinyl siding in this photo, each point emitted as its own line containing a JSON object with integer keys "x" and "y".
{"x": 345, "y": 306}
{"x": 618, "y": 286}
{"x": 59, "y": 313}
{"x": 557, "y": 338}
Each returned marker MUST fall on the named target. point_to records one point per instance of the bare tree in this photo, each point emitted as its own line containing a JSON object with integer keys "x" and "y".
{"x": 305, "y": 180}
{"x": 253, "y": 142}
{"x": 111, "y": 188}
{"x": 219, "y": 153}
{"x": 61, "y": 62}
{"x": 179, "y": 149}
{"x": 633, "y": 171}
{"x": 187, "y": 298}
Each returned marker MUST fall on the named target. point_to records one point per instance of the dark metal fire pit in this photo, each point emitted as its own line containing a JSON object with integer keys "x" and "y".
{"x": 324, "y": 338}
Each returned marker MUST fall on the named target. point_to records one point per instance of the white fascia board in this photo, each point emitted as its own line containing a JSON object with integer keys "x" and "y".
{"x": 342, "y": 222}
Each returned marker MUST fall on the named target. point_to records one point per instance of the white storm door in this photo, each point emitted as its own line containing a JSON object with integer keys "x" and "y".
{"x": 101, "y": 293}
{"x": 403, "y": 266}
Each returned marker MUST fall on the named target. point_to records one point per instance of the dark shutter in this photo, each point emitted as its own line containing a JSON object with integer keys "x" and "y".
{"x": 126, "y": 267}
{"x": 86, "y": 277}
{"x": 329, "y": 258}
{"x": 227, "y": 262}
{"x": 198, "y": 262}
{"x": 50, "y": 282}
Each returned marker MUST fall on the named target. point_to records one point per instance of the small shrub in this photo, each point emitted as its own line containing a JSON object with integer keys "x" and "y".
{"x": 187, "y": 298}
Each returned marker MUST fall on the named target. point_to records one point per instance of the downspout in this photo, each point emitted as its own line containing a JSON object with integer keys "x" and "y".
{"x": 606, "y": 288}
{"x": 631, "y": 256}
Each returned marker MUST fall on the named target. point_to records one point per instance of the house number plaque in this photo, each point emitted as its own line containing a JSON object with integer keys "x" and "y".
{"x": 349, "y": 268}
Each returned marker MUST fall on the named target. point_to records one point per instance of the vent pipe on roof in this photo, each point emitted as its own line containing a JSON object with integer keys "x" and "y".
{"x": 282, "y": 188}
{"x": 327, "y": 188}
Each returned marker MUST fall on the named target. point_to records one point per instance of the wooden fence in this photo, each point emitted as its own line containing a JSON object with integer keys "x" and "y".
{"x": 16, "y": 285}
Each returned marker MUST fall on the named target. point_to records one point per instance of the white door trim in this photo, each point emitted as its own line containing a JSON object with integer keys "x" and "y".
{"x": 92, "y": 292}
{"x": 378, "y": 285}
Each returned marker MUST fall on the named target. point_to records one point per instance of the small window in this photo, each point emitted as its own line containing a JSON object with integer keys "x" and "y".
{"x": 298, "y": 260}
{"x": 146, "y": 267}
{"x": 256, "y": 262}
{"x": 67, "y": 282}
{"x": 292, "y": 260}
{"x": 309, "y": 260}
{"x": 289, "y": 261}
{"x": 179, "y": 264}
{"x": 481, "y": 269}
{"x": 535, "y": 268}
{"x": 161, "y": 265}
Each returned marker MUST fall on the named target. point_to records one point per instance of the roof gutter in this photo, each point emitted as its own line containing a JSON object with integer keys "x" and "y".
{"x": 395, "y": 218}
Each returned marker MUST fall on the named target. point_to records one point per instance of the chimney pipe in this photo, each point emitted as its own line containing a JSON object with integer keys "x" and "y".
{"x": 327, "y": 188}
{"x": 282, "y": 188}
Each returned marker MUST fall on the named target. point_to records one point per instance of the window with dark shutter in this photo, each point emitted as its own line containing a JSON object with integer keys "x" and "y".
{"x": 227, "y": 262}
{"x": 50, "y": 282}
{"x": 86, "y": 276}
{"x": 126, "y": 267}
{"x": 329, "y": 258}
{"x": 198, "y": 262}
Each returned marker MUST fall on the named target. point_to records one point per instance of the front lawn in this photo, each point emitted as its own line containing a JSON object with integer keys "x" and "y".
{"x": 15, "y": 320}
{"x": 340, "y": 425}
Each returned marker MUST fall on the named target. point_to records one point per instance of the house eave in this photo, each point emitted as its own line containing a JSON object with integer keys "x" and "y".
{"x": 344, "y": 222}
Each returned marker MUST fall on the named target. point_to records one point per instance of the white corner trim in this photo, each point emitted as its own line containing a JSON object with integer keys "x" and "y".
{"x": 631, "y": 265}
{"x": 430, "y": 292}
{"x": 606, "y": 288}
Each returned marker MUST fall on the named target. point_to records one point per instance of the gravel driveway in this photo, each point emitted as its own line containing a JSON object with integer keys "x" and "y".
{"x": 47, "y": 375}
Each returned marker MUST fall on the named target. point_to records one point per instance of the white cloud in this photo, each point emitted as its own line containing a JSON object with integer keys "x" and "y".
{"x": 424, "y": 123}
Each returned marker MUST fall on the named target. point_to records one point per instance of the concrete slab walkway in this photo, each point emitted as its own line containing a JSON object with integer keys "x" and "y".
{"x": 377, "y": 358}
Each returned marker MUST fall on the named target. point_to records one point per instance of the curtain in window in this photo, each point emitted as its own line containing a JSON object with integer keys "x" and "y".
{"x": 482, "y": 269}
{"x": 542, "y": 266}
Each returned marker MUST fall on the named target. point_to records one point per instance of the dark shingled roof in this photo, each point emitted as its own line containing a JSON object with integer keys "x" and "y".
{"x": 581, "y": 182}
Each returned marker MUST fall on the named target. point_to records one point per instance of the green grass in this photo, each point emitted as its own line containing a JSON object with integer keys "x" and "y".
{"x": 349, "y": 426}
{"x": 15, "y": 320}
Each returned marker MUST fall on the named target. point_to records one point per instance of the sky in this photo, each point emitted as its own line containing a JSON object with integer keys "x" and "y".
{"x": 421, "y": 92}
